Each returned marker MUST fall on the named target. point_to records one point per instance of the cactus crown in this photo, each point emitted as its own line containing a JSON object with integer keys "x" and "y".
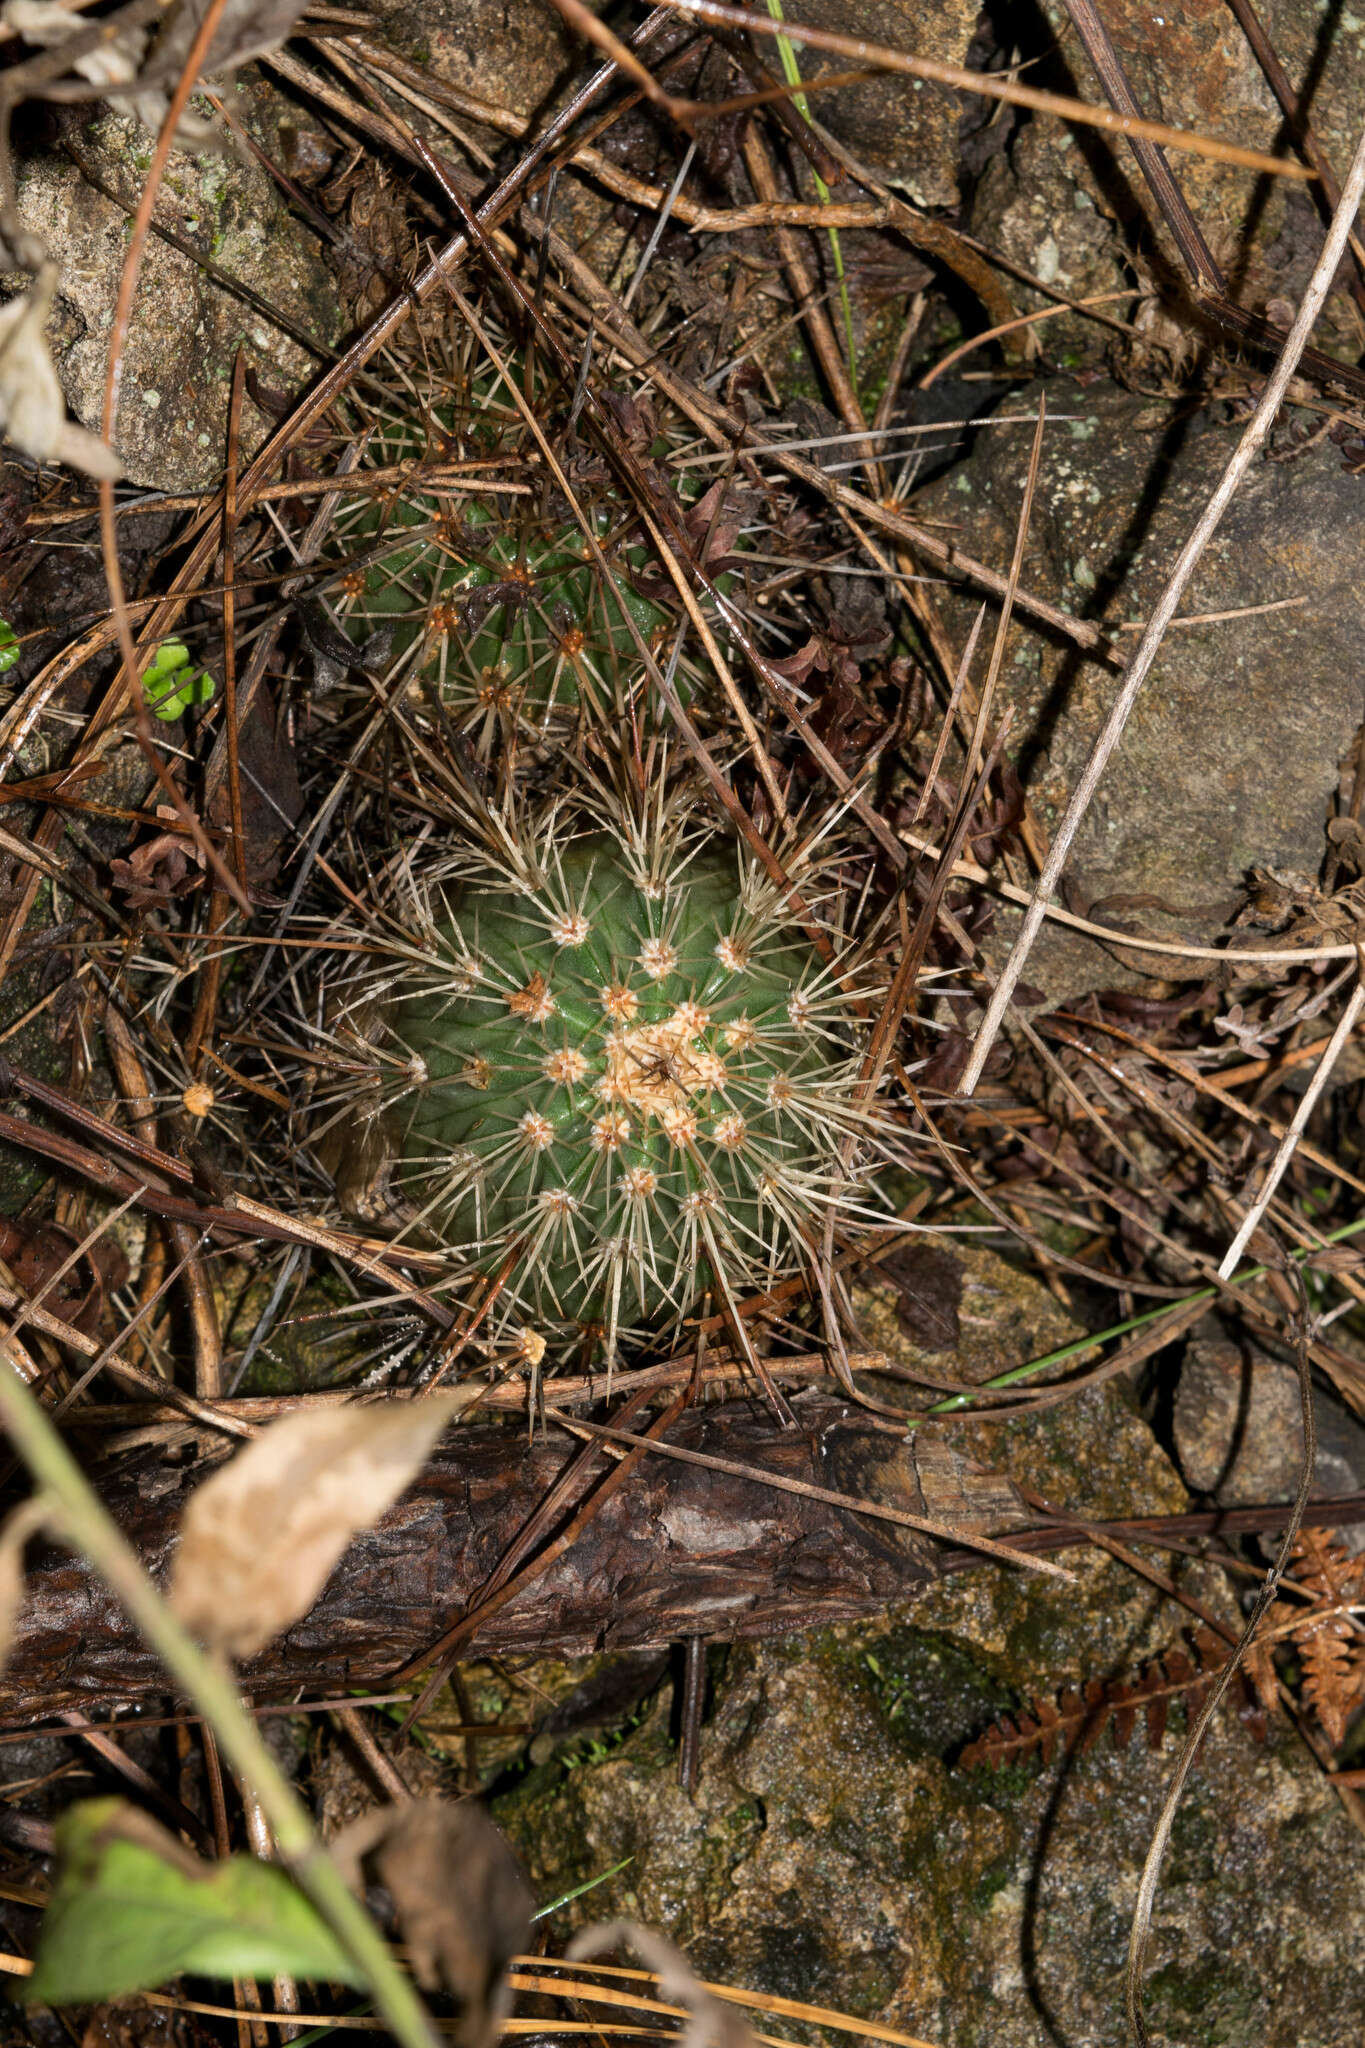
{"x": 605, "y": 1063}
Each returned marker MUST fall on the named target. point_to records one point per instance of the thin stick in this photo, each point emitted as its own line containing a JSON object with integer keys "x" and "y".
{"x": 945, "y": 730}
{"x": 1002, "y": 624}
{"x": 1161, "y": 1834}
{"x": 1253, "y": 438}
{"x": 992, "y": 86}
{"x": 230, "y": 712}
{"x": 670, "y": 201}
{"x": 976, "y": 341}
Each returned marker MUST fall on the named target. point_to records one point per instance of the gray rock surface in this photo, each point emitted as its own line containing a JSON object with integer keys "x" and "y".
{"x": 1076, "y": 212}
{"x": 903, "y": 128}
{"x": 186, "y": 327}
{"x": 1231, "y": 755}
{"x": 516, "y": 53}
{"x": 1237, "y": 1425}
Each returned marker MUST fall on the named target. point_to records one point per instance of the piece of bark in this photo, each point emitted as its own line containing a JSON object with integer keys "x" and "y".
{"x": 679, "y": 1551}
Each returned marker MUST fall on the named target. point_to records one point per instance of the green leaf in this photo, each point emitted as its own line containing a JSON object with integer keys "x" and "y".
{"x": 9, "y": 646}
{"x": 169, "y": 656}
{"x": 132, "y": 1908}
{"x": 170, "y": 692}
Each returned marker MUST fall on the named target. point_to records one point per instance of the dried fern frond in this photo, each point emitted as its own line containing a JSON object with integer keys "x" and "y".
{"x": 1074, "y": 1719}
{"x": 1324, "y": 1626}
{"x": 1323, "y": 1623}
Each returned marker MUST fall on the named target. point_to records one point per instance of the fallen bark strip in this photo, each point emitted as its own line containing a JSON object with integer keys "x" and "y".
{"x": 679, "y": 1551}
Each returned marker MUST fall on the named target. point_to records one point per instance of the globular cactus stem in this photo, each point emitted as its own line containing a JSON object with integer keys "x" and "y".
{"x": 606, "y": 1060}
{"x": 498, "y": 603}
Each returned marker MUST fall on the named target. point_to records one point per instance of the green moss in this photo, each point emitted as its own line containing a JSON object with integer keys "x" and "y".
{"x": 934, "y": 1691}
{"x": 1004, "y": 1787}
{"x": 1212, "y": 2002}
{"x": 994, "y": 1879}
{"x": 313, "y": 1343}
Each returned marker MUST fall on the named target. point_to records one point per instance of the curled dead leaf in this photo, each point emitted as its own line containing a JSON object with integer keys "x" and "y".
{"x": 138, "y": 65}
{"x": 32, "y": 408}
{"x": 461, "y": 1903}
{"x": 262, "y": 1535}
{"x": 25, "y": 1521}
{"x": 711, "y": 2023}
{"x": 246, "y": 29}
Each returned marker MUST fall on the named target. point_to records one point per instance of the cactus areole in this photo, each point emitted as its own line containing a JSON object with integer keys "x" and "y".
{"x": 619, "y": 1082}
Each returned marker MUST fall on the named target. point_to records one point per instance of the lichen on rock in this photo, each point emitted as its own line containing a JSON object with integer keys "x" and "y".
{"x": 186, "y": 327}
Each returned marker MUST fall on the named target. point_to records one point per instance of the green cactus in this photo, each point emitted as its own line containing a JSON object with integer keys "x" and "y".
{"x": 498, "y": 601}
{"x": 472, "y": 573}
{"x": 513, "y": 618}
{"x": 606, "y": 1065}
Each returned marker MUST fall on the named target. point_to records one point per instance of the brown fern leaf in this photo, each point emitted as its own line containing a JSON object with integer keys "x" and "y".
{"x": 1333, "y": 1674}
{"x": 1320, "y": 1626}
{"x": 1323, "y": 1564}
{"x": 1078, "y": 1716}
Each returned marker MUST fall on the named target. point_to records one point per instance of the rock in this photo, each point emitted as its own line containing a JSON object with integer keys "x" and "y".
{"x": 1230, "y": 757}
{"x": 522, "y": 56}
{"x": 1076, "y": 211}
{"x": 186, "y": 327}
{"x": 1003, "y": 1316}
{"x": 1238, "y": 1426}
{"x": 902, "y": 128}
{"x": 516, "y": 53}
{"x": 1041, "y": 207}
{"x": 835, "y": 1854}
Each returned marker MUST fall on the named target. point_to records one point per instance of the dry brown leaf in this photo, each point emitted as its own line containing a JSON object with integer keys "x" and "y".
{"x": 711, "y": 2022}
{"x": 48, "y": 24}
{"x": 25, "y": 1521}
{"x": 114, "y": 64}
{"x": 460, "y": 1900}
{"x": 137, "y": 70}
{"x": 260, "y": 1537}
{"x": 246, "y": 28}
{"x": 32, "y": 408}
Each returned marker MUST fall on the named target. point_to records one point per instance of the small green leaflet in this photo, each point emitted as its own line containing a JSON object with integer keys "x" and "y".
{"x": 171, "y": 685}
{"x": 9, "y": 647}
{"x": 132, "y": 1908}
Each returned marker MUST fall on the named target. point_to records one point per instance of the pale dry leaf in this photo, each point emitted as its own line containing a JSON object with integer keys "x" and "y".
{"x": 25, "y": 1521}
{"x": 711, "y": 2022}
{"x": 48, "y": 24}
{"x": 261, "y": 1536}
{"x": 115, "y": 64}
{"x": 460, "y": 1901}
{"x": 32, "y": 408}
{"x": 111, "y": 64}
{"x": 246, "y": 29}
